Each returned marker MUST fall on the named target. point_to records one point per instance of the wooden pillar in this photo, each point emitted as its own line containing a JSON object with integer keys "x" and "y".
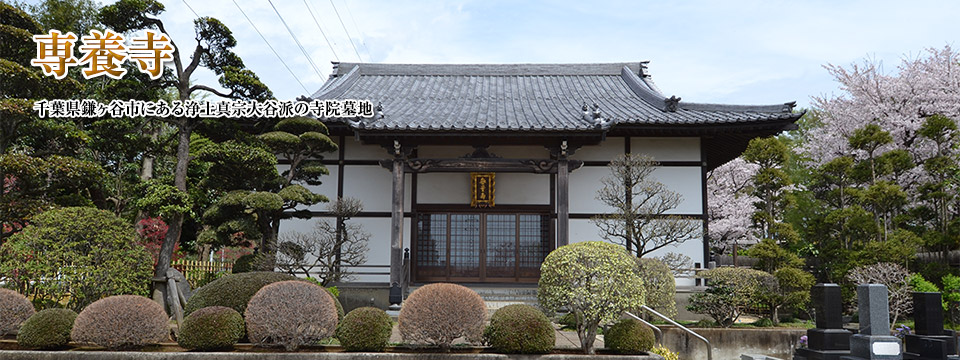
{"x": 563, "y": 202}
{"x": 396, "y": 225}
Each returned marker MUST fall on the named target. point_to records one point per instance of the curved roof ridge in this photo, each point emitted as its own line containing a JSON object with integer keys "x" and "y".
{"x": 642, "y": 90}
{"x": 339, "y": 86}
{"x": 523, "y": 69}
{"x": 773, "y": 108}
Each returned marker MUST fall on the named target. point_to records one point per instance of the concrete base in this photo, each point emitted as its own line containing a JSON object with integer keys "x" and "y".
{"x": 355, "y": 296}
{"x": 874, "y": 347}
{"x": 127, "y": 355}
{"x": 808, "y": 354}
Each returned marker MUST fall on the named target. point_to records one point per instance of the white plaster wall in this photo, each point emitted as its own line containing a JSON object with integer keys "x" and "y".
{"x": 373, "y": 185}
{"x": 584, "y": 230}
{"x": 605, "y": 151}
{"x": 445, "y": 188}
{"x": 686, "y": 181}
{"x": 378, "y": 252}
{"x": 522, "y": 189}
{"x": 357, "y": 151}
{"x": 443, "y": 151}
{"x": 667, "y": 149}
{"x": 586, "y": 181}
{"x": 520, "y": 152}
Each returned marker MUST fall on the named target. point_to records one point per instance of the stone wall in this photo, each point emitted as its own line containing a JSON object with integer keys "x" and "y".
{"x": 729, "y": 344}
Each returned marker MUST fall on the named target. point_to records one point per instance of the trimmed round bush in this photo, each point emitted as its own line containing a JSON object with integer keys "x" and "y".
{"x": 233, "y": 291}
{"x": 336, "y": 303}
{"x": 365, "y": 329}
{"x": 290, "y": 313}
{"x": 629, "y": 336}
{"x": 436, "y": 314}
{"x": 521, "y": 329}
{"x": 14, "y": 310}
{"x": 244, "y": 263}
{"x": 211, "y": 328}
{"x": 47, "y": 329}
{"x": 122, "y": 321}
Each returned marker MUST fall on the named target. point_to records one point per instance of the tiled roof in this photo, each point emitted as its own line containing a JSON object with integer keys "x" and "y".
{"x": 524, "y": 97}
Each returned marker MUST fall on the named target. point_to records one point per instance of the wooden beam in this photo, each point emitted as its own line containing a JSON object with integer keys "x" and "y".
{"x": 396, "y": 228}
{"x": 536, "y": 166}
{"x": 563, "y": 202}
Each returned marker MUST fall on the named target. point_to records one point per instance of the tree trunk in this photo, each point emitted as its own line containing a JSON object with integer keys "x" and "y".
{"x": 587, "y": 339}
{"x": 176, "y": 220}
{"x": 268, "y": 243}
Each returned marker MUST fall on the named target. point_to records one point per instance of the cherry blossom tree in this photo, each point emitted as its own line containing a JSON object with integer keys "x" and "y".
{"x": 730, "y": 205}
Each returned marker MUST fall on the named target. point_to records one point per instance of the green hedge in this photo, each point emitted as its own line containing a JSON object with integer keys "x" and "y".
{"x": 365, "y": 329}
{"x": 47, "y": 329}
{"x": 520, "y": 329}
{"x": 211, "y": 328}
{"x": 233, "y": 291}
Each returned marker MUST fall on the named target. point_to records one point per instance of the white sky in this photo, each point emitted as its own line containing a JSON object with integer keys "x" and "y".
{"x": 744, "y": 52}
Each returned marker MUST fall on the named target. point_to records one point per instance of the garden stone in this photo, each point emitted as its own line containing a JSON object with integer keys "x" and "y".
{"x": 930, "y": 340}
{"x": 874, "y": 341}
{"x": 828, "y": 341}
{"x": 182, "y": 285}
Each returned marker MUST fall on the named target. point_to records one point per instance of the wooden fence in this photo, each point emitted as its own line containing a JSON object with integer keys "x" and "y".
{"x": 195, "y": 270}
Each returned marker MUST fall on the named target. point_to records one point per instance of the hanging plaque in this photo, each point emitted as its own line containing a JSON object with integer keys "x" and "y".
{"x": 482, "y": 189}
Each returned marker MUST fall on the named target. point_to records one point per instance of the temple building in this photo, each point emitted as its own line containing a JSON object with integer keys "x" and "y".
{"x": 474, "y": 173}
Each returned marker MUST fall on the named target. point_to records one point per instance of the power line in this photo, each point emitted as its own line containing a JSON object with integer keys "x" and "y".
{"x": 315, "y": 68}
{"x": 271, "y": 47}
{"x": 363, "y": 43}
{"x": 321, "y": 31}
{"x": 345, "y": 30}
{"x": 191, "y": 8}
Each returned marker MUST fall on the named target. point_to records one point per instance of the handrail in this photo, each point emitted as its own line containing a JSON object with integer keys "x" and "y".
{"x": 656, "y": 331}
{"x": 674, "y": 323}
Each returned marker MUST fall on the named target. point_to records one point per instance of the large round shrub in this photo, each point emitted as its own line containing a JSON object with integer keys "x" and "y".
{"x": 629, "y": 336}
{"x": 596, "y": 280}
{"x": 730, "y": 292}
{"x": 521, "y": 329}
{"x": 438, "y": 313}
{"x": 123, "y": 321}
{"x": 47, "y": 329}
{"x": 660, "y": 287}
{"x": 76, "y": 255}
{"x": 14, "y": 310}
{"x": 290, "y": 313}
{"x": 211, "y": 328}
{"x": 244, "y": 263}
{"x": 365, "y": 329}
{"x": 337, "y": 304}
{"x": 233, "y": 291}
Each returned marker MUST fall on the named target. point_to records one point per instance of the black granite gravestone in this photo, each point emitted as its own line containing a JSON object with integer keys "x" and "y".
{"x": 874, "y": 341}
{"x": 930, "y": 340}
{"x": 828, "y": 341}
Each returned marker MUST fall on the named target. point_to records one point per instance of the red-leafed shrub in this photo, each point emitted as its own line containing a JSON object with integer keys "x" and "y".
{"x": 291, "y": 314}
{"x": 14, "y": 310}
{"x": 152, "y": 231}
{"x": 211, "y": 328}
{"x": 436, "y": 314}
{"x": 123, "y": 321}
